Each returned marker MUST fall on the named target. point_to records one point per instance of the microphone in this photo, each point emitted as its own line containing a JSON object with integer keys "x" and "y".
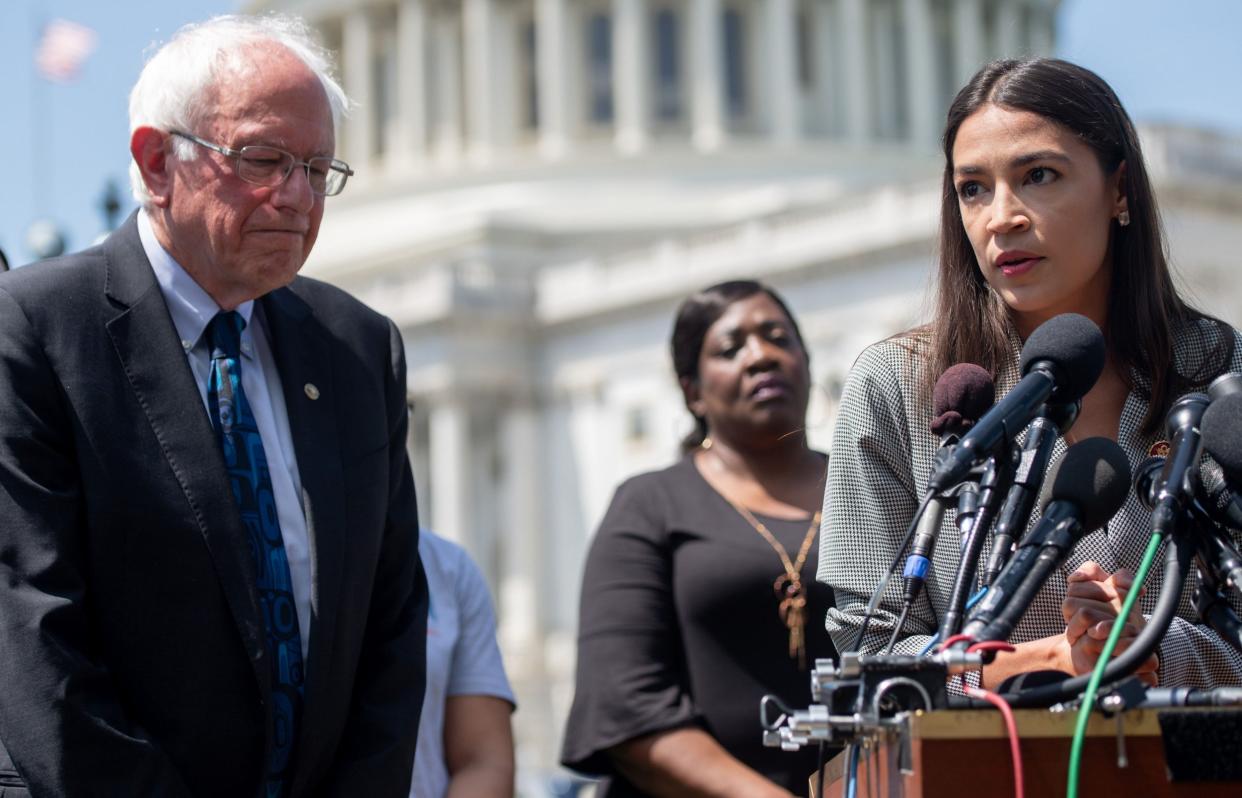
{"x": 1084, "y": 489}
{"x": 1174, "y": 487}
{"x": 1215, "y": 501}
{"x": 963, "y": 393}
{"x": 994, "y": 480}
{"x": 1053, "y": 421}
{"x": 1225, "y": 385}
{"x": 1221, "y": 428}
{"x": 1216, "y": 496}
{"x": 1060, "y": 362}
{"x": 967, "y": 509}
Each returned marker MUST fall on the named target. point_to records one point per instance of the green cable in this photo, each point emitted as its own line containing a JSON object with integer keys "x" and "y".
{"x": 1088, "y": 698}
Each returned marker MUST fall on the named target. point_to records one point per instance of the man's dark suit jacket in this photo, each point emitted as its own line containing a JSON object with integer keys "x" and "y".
{"x": 131, "y": 643}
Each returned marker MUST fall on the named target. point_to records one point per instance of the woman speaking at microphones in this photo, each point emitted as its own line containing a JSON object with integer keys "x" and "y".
{"x": 1047, "y": 209}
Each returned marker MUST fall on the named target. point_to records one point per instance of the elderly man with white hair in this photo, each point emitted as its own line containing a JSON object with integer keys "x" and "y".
{"x": 209, "y": 571}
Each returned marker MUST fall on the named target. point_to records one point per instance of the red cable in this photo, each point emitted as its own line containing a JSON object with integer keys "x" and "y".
{"x": 1010, "y": 726}
{"x": 954, "y": 639}
{"x": 989, "y": 645}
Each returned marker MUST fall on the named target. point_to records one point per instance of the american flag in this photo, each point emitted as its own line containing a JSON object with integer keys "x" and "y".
{"x": 63, "y": 48}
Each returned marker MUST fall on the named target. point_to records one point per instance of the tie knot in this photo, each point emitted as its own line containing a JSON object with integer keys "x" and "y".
{"x": 224, "y": 333}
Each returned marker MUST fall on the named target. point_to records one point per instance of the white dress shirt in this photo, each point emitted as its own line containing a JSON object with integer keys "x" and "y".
{"x": 192, "y": 309}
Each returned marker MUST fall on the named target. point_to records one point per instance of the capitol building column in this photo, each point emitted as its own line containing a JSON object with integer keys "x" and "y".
{"x": 523, "y": 582}
{"x": 1042, "y": 29}
{"x": 784, "y": 94}
{"x": 823, "y": 21}
{"x": 448, "y": 437}
{"x": 552, "y": 76}
{"x": 1008, "y": 41}
{"x": 356, "y": 49}
{"x": 523, "y": 568}
{"x": 411, "y": 81}
{"x": 629, "y": 73}
{"x": 481, "y": 100}
{"x": 922, "y": 100}
{"x": 446, "y": 67}
{"x": 853, "y": 39}
{"x": 706, "y": 74}
{"x": 969, "y": 50}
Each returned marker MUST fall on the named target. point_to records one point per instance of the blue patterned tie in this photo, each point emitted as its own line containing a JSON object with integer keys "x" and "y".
{"x": 252, "y": 488}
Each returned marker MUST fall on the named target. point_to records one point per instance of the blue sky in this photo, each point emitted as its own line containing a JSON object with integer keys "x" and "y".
{"x": 1168, "y": 61}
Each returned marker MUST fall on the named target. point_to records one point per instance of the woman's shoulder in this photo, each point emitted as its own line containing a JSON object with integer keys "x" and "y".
{"x": 653, "y": 496}
{"x": 1204, "y": 348}
{"x": 905, "y": 351}
{"x": 443, "y": 559}
{"x": 888, "y": 373}
{"x": 663, "y": 480}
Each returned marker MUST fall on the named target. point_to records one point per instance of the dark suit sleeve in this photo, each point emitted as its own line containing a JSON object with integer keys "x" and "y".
{"x": 60, "y": 718}
{"x": 376, "y": 755}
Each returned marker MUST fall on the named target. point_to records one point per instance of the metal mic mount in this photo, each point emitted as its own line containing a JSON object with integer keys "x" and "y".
{"x": 1133, "y": 694}
{"x": 866, "y": 696}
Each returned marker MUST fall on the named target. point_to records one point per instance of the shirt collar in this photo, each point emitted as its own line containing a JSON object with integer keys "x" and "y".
{"x": 191, "y": 308}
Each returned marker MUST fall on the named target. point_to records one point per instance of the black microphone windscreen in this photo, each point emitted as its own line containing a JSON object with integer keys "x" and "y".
{"x": 1075, "y": 345}
{"x": 962, "y": 394}
{"x": 1221, "y": 428}
{"x": 1094, "y": 476}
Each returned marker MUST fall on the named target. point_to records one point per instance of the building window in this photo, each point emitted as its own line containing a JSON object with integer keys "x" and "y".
{"x": 667, "y": 66}
{"x": 599, "y": 68}
{"x": 735, "y": 62}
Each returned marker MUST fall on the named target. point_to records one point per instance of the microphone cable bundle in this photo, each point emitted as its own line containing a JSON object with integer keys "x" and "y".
{"x": 1060, "y": 362}
{"x": 1195, "y": 508}
{"x": 962, "y": 395}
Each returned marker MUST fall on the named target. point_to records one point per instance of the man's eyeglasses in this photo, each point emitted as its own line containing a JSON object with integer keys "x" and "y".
{"x": 268, "y": 166}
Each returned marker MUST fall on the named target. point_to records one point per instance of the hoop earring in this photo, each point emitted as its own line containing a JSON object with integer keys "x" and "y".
{"x": 1123, "y": 219}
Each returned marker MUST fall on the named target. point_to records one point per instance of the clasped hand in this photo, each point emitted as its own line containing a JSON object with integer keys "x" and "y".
{"x": 1093, "y": 602}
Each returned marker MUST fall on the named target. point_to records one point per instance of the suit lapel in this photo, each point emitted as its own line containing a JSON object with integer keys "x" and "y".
{"x": 304, "y": 359}
{"x": 151, "y": 356}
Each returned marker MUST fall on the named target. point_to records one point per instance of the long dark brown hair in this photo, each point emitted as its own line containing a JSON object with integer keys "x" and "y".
{"x": 1144, "y": 310}
{"x": 697, "y": 313}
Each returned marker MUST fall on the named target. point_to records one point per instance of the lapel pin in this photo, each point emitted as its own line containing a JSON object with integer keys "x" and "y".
{"x": 311, "y": 390}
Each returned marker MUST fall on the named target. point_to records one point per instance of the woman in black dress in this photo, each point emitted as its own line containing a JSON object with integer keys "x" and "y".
{"x": 699, "y": 594}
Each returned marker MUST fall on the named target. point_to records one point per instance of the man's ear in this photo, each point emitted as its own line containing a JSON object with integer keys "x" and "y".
{"x": 149, "y": 147}
{"x": 691, "y": 394}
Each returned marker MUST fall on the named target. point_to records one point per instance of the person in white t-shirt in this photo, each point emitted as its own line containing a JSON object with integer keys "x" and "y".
{"x": 465, "y": 740}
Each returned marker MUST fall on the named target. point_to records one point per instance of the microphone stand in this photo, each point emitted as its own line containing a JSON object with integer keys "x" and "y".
{"x": 993, "y": 482}
{"x": 1179, "y": 557}
{"x": 1030, "y": 465}
{"x": 1219, "y": 565}
{"x": 1214, "y": 609}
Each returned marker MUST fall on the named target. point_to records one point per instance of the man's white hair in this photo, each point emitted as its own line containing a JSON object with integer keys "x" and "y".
{"x": 169, "y": 92}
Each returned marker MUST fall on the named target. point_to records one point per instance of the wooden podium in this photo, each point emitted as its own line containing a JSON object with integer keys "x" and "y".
{"x": 966, "y": 752}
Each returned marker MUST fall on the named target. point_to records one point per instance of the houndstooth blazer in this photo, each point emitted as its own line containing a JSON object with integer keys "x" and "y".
{"x": 881, "y": 459}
